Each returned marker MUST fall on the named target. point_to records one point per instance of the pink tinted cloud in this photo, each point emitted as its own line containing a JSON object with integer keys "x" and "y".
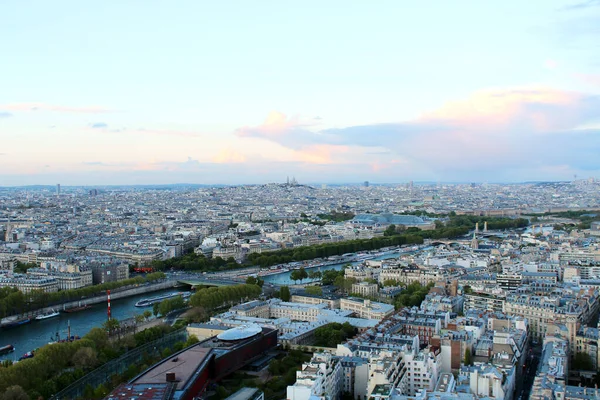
{"x": 490, "y": 130}
{"x": 54, "y": 108}
{"x": 228, "y": 156}
{"x": 497, "y": 110}
{"x": 320, "y": 154}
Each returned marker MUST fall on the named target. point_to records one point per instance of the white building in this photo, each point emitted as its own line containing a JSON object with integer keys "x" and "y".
{"x": 320, "y": 378}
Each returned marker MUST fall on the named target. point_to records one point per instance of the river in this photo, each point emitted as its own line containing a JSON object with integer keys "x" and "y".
{"x": 284, "y": 277}
{"x": 38, "y": 333}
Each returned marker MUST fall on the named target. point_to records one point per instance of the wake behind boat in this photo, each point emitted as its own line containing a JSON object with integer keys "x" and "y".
{"x": 153, "y": 300}
{"x": 52, "y": 313}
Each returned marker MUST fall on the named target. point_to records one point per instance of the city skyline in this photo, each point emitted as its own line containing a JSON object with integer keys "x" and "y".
{"x": 235, "y": 93}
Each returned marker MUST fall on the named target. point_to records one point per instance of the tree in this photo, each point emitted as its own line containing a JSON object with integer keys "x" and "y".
{"x": 314, "y": 275}
{"x": 390, "y": 230}
{"x": 15, "y": 392}
{"x": 467, "y": 289}
{"x": 284, "y": 293}
{"x": 192, "y": 339}
{"x": 314, "y": 290}
{"x": 112, "y": 325}
{"x": 98, "y": 336}
{"x": 468, "y": 357}
{"x": 296, "y": 275}
{"x": 155, "y": 309}
{"x": 85, "y": 358}
{"x": 255, "y": 281}
{"x": 303, "y": 274}
{"x": 147, "y": 314}
{"x": 582, "y": 361}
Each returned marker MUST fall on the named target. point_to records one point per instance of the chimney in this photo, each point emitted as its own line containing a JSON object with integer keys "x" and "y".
{"x": 171, "y": 377}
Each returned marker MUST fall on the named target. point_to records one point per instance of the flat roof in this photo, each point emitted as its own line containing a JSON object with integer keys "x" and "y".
{"x": 183, "y": 364}
{"x": 135, "y": 391}
{"x": 243, "y": 394}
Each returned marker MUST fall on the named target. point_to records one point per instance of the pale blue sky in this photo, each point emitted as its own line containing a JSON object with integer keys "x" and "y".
{"x": 100, "y": 92}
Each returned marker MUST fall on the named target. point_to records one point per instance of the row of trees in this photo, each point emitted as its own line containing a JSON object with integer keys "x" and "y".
{"x": 195, "y": 262}
{"x": 217, "y": 297}
{"x": 12, "y": 303}
{"x": 168, "y": 305}
{"x": 337, "y": 216}
{"x": 329, "y": 249}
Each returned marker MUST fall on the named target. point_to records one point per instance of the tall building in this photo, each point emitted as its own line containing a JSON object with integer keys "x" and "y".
{"x": 58, "y": 189}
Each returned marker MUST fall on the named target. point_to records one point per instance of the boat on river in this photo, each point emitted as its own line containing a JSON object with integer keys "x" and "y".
{"x": 51, "y": 314}
{"x": 153, "y": 300}
{"x": 77, "y": 309}
{"x": 29, "y": 354}
{"x": 4, "y": 350}
{"x": 15, "y": 323}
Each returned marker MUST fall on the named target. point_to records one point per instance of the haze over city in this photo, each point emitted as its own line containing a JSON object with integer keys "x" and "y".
{"x": 145, "y": 92}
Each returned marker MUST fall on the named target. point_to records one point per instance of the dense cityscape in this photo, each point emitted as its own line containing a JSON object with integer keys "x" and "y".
{"x": 300, "y": 200}
{"x": 408, "y": 292}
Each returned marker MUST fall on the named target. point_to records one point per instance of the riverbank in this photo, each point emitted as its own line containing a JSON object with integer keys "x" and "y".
{"x": 140, "y": 289}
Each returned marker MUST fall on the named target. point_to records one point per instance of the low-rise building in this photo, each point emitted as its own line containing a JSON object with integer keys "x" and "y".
{"x": 366, "y": 308}
{"x": 365, "y": 289}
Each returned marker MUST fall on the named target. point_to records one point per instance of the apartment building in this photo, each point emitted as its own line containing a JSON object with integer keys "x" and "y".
{"x": 331, "y": 301}
{"x": 65, "y": 280}
{"x": 28, "y": 283}
{"x": 321, "y": 377}
{"x": 409, "y": 275}
{"x": 365, "y": 289}
{"x": 489, "y": 382}
{"x": 483, "y": 302}
{"x": 422, "y": 371}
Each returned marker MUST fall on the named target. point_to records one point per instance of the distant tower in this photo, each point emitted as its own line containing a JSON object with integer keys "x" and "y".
{"x": 288, "y": 181}
{"x": 476, "y": 227}
{"x": 474, "y": 242}
{"x": 484, "y": 226}
{"x": 366, "y": 184}
{"x": 58, "y": 189}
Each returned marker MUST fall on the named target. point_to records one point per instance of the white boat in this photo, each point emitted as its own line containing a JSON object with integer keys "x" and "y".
{"x": 50, "y": 314}
{"x": 153, "y": 300}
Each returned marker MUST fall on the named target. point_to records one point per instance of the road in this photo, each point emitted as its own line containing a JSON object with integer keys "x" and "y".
{"x": 525, "y": 380}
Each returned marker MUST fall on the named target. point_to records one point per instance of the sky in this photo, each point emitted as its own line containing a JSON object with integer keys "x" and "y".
{"x": 231, "y": 92}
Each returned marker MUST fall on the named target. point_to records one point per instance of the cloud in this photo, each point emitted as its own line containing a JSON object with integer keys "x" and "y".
{"x": 228, "y": 156}
{"x": 54, "y": 108}
{"x": 592, "y": 79}
{"x": 99, "y": 125}
{"x": 583, "y": 5}
{"x": 5, "y": 114}
{"x": 291, "y": 132}
{"x": 491, "y": 133}
{"x": 93, "y": 163}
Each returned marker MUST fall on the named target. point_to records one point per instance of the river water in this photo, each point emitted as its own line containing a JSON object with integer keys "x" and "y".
{"x": 38, "y": 333}
{"x": 284, "y": 277}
